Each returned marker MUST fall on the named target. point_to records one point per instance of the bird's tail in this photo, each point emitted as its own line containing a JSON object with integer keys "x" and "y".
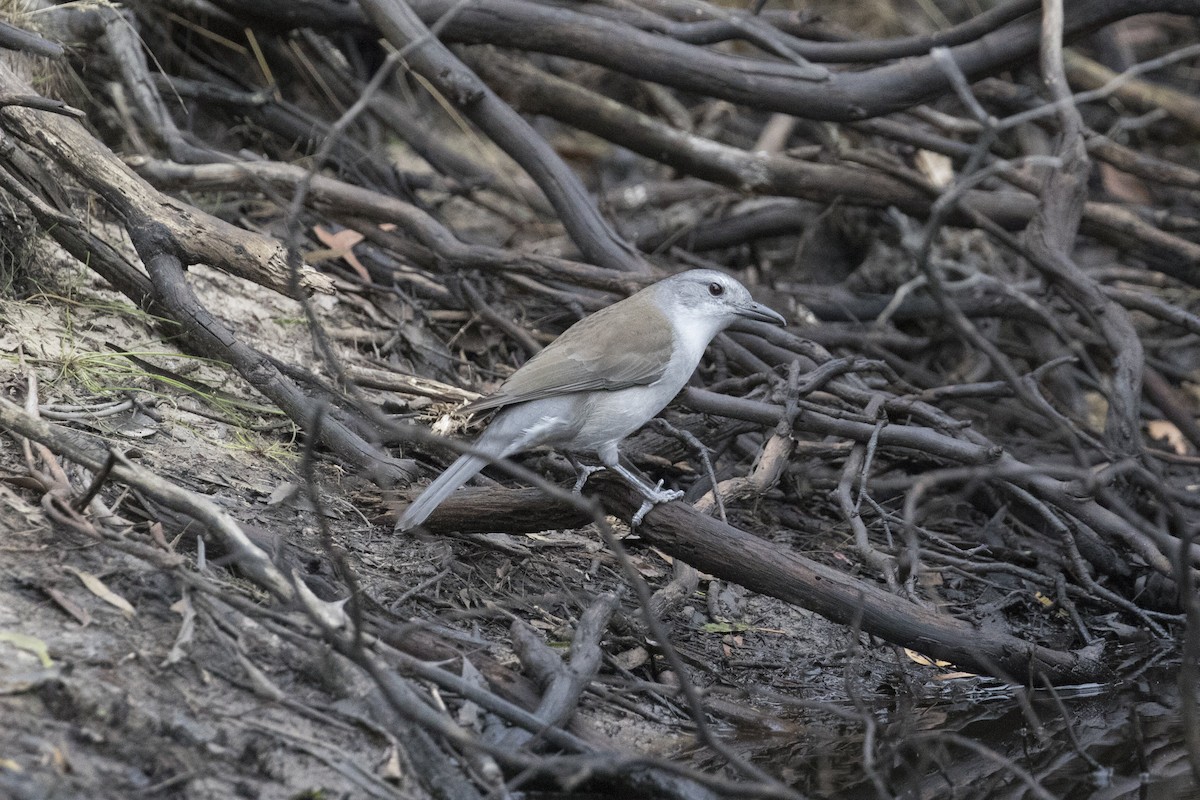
{"x": 458, "y": 473}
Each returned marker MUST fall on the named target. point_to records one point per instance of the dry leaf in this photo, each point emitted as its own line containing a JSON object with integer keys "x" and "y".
{"x": 633, "y": 658}
{"x": 187, "y": 628}
{"x": 445, "y": 424}
{"x": 1096, "y": 410}
{"x": 341, "y": 245}
{"x": 1166, "y": 431}
{"x": 390, "y": 768}
{"x": 646, "y": 568}
{"x": 1123, "y": 186}
{"x": 68, "y": 605}
{"x": 924, "y": 661}
{"x": 938, "y": 168}
{"x": 282, "y": 493}
{"x": 662, "y": 555}
{"x": 32, "y": 644}
{"x": 98, "y": 588}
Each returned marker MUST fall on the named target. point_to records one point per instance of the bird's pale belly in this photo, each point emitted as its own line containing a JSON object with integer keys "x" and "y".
{"x": 614, "y": 415}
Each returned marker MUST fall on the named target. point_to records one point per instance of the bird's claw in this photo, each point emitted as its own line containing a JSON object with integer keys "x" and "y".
{"x": 661, "y": 495}
{"x": 642, "y": 511}
{"x": 584, "y": 474}
{"x": 653, "y": 498}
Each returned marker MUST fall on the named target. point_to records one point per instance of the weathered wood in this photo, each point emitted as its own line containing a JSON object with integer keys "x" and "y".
{"x": 762, "y": 566}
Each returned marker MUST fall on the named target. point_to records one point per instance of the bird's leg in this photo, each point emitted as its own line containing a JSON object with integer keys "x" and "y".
{"x": 653, "y": 494}
{"x": 585, "y": 472}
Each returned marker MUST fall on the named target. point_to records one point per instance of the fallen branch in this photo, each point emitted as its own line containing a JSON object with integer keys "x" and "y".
{"x": 734, "y": 555}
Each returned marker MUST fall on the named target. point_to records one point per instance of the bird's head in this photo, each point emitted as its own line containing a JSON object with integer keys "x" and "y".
{"x": 712, "y": 296}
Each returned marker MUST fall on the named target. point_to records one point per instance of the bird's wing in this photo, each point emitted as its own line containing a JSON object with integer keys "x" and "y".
{"x": 604, "y": 351}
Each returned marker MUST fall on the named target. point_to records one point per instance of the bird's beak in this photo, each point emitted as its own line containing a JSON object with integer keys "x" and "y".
{"x": 760, "y": 313}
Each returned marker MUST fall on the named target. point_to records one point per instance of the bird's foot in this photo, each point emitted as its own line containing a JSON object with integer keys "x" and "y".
{"x": 584, "y": 474}
{"x": 661, "y": 495}
{"x": 642, "y": 511}
{"x": 653, "y": 497}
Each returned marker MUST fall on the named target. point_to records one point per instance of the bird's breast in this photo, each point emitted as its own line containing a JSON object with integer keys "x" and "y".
{"x": 611, "y": 416}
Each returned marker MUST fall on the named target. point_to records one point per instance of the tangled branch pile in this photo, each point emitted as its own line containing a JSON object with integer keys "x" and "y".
{"x": 992, "y": 387}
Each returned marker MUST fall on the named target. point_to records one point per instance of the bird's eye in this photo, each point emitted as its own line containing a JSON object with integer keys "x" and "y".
{"x": 716, "y": 289}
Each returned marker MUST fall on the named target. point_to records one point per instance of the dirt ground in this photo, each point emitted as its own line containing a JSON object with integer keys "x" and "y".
{"x": 113, "y": 686}
{"x": 118, "y": 679}
{"x": 137, "y": 658}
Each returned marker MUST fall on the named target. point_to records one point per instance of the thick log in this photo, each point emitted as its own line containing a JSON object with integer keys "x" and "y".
{"x": 762, "y": 566}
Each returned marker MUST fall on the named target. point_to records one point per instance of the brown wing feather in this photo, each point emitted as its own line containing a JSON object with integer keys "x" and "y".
{"x": 608, "y": 350}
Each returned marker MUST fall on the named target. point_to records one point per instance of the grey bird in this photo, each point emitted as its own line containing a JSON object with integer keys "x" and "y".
{"x": 602, "y": 379}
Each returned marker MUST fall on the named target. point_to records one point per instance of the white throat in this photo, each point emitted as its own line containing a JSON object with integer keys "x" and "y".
{"x": 693, "y": 332}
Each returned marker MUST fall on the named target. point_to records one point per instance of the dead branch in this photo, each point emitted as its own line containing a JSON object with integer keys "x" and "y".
{"x": 734, "y": 555}
{"x": 986, "y": 406}
{"x": 200, "y": 238}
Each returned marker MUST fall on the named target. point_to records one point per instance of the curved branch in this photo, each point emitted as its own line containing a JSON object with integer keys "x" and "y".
{"x": 768, "y": 85}
{"x": 537, "y": 92}
{"x": 429, "y": 57}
